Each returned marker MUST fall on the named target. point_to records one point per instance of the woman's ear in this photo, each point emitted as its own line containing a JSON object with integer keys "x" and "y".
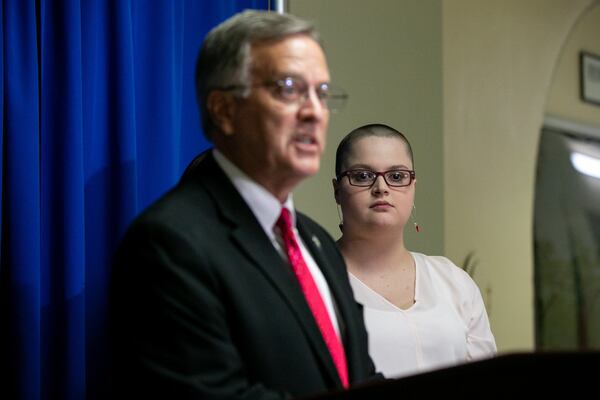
{"x": 221, "y": 107}
{"x": 336, "y": 190}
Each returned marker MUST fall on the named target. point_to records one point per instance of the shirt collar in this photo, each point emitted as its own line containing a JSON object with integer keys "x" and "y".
{"x": 265, "y": 207}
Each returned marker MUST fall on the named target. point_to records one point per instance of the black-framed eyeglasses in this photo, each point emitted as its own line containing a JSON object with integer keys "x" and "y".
{"x": 291, "y": 90}
{"x": 366, "y": 178}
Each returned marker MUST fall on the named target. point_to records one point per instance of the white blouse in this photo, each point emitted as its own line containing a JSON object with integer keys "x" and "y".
{"x": 447, "y": 325}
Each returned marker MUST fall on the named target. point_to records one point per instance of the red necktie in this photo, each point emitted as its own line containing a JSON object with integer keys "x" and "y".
{"x": 312, "y": 295}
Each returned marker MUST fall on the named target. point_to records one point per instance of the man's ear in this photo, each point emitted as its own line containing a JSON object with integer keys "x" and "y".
{"x": 336, "y": 190}
{"x": 221, "y": 108}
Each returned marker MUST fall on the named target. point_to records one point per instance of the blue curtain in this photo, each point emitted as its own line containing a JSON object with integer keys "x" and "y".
{"x": 98, "y": 119}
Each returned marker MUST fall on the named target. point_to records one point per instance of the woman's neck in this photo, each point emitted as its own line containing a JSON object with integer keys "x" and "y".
{"x": 374, "y": 254}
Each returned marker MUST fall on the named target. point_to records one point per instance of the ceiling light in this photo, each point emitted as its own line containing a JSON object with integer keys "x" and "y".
{"x": 586, "y": 165}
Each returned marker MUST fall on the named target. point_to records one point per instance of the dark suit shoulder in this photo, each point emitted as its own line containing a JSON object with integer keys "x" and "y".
{"x": 184, "y": 205}
{"x": 190, "y": 204}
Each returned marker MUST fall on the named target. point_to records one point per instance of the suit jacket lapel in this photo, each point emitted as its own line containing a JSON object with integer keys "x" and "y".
{"x": 249, "y": 236}
{"x": 343, "y": 301}
{"x": 314, "y": 246}
{"x": 313, "y": 243}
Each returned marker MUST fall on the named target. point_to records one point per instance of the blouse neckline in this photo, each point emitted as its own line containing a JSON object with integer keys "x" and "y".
{"x": 380, "y": 302}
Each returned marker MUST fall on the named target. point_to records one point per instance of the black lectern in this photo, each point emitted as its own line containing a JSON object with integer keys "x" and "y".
{"x": 504, "y": 376}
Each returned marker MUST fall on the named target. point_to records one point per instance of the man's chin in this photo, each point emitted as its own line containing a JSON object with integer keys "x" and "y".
{"x": 307, "y": 169}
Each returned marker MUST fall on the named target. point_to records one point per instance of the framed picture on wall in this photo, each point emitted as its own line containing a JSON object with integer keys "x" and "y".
{"x": 590, "y": 77}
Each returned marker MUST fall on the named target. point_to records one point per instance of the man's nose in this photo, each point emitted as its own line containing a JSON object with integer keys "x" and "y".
{"x": 312, "y": 104}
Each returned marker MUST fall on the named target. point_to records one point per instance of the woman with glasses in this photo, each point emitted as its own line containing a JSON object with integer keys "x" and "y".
{"x": 421, "y": 312}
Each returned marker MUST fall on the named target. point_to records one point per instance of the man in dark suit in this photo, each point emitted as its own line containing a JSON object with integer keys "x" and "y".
{"x": 213, "y": 295}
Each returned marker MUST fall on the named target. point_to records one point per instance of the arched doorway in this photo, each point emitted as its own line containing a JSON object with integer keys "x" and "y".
{"x": 567, "y": 203}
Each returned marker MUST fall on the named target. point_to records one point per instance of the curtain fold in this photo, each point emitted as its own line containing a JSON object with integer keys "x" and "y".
{"x": 99, "y": 118}
{"x": 62, "y": 200}
{"x": 21, "y": 214}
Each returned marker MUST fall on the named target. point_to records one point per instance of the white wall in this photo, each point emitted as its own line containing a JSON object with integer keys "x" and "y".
{"x": 564, "y": 99}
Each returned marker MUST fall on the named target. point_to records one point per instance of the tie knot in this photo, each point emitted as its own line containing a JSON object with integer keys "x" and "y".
{"x": 284, "y": 223}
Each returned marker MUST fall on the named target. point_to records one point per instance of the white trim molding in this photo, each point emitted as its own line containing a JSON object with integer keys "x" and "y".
{"x": 562, "y": 124}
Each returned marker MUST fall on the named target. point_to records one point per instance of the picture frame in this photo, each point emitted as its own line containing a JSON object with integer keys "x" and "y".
{"x": 590, "y": 77}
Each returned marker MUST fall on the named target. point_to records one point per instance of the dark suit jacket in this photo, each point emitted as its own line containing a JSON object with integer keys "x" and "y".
{"x": 204, "y": 307}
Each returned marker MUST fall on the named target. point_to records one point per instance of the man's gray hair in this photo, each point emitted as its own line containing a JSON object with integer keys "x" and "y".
{"x": 224, "y": 60}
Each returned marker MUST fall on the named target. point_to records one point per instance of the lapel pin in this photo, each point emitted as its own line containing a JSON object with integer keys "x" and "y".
{"x": 316, "y": 241}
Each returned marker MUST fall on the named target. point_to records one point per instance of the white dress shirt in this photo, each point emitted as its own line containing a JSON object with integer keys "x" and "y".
{"x": 267, "y": 208}
{"x": 447, "y": 325}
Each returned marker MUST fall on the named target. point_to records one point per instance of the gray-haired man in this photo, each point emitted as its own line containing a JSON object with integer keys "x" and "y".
{"x": 214, "y": 296}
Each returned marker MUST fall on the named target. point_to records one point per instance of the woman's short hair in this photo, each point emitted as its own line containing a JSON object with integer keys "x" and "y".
{"x": 379, "y": 130}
